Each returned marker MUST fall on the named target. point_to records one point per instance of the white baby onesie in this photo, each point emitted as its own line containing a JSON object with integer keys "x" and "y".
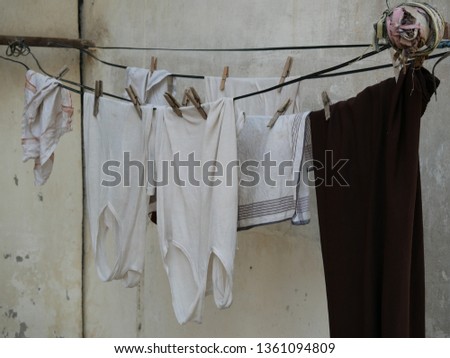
{"x": 271, "y": 187}
{"x": 47, "y": 116}
{"x": 150, "y": 87}
{"x": 115, "y": 156}
{"x": 197, "y": 204}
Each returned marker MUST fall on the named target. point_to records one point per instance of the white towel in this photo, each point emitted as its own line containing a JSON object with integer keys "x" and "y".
{"x": 47, "y": 116}
{"x": 197, "y": 221}
{"x": 272, "y": 192}
{"x": 150, "y": 87}
{"x": 115, "y": 155}
{"x": 263, "y": 104}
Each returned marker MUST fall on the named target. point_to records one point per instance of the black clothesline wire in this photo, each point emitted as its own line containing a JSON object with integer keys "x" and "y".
{"x": 247, "y": 49}
{"x": 319, "y": 74}
{"x": 17, "y": 49}
{"x": 316, "y": 75}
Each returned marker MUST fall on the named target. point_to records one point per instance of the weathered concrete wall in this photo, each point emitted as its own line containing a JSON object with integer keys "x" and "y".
{"x": 40, "y": 227}
{"x": 279, "y": 287}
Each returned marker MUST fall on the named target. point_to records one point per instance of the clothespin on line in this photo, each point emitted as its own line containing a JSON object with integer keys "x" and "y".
{"x": 134, "y": 99}
{"x": 225, "y": 74}
{"x": 173, "y": 103}
{"x": 62, "y": 72}
{"x": 195, "y": 100}
{"x": 280, "y": 111}
{"x": 153, "y": 64}
{"x": 98, "y": 92}
{"x": 326, "y": 105}
{"x": 447, "y": 31}
{"x": 286, "y": 72}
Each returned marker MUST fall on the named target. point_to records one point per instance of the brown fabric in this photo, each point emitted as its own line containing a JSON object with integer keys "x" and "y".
{"x": 371, "y": 230}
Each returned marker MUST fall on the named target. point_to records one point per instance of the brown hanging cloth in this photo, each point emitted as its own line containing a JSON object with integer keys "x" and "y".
{"x": 369, "y": 206}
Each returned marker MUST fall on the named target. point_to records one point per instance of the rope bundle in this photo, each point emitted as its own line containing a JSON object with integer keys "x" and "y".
{"x": 413, "y": 30}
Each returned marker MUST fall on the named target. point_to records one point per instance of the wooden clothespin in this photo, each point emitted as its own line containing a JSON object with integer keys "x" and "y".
{"x": 286, "y": 72}
{"x": 134, "y": 99}
{"x": 447, "y": 31}
{"x": 280, "y": 111}
{"x": 62, "y": 72}
{"x": 195, "y": 100}
{"x": 326, "y": 105}
{"x": 225, "y": 74}
{"x": 98, "y": 92}
{"x": 173, "y": 103}
{"x": 153, "y": 64}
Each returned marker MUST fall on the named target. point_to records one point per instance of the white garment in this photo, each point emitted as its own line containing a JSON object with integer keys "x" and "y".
{"x": 149, "y": 87}
{"x": 272, "y": 192}
{"x": 197, "y": 222}
{"x": 115, "y": 174}
{"x": 47, "y": 116}
{"x": 263, "y": 104}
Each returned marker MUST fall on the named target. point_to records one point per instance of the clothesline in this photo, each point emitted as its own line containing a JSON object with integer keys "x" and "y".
{"x": 23, "y": 49}
{"x": 87, "y": 44}
{"x": 247, "y": 49}
{"x": 319, "y": 74}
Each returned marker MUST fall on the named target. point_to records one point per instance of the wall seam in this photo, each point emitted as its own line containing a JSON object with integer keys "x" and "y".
{"x": 83, "y": 225}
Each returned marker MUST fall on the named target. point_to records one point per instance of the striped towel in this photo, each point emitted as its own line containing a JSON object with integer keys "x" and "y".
{"x": 271, "y": 184}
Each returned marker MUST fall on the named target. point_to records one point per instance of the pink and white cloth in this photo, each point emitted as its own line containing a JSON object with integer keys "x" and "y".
{"x": 47, "y": 116}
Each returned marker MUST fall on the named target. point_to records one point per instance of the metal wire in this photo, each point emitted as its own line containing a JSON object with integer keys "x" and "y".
{"x": 17, "y": 48}
{"x": 21, "y": 49}
{"x": 19, "y": 62}
{"x": 248, "y": 49}
{"x": 313, "y": 75}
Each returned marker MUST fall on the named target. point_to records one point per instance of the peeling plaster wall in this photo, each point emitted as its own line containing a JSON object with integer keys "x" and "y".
{"x": 279, "y": 287}
{"x": 40, "y": 227}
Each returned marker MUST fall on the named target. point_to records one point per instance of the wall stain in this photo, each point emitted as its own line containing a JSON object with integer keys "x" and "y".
{"x": 11, "y": 314}
{"x": 21, "y": 334}
{"x": 40, "y": 197}
{"x": 19, "y": 258}
{"x": 16, "y": 180}
{"x": 6, "y": 256}
{"x": 67, "y": 295}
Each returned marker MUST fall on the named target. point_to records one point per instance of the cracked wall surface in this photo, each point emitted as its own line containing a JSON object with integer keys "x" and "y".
{"x": 40, "y": 227}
